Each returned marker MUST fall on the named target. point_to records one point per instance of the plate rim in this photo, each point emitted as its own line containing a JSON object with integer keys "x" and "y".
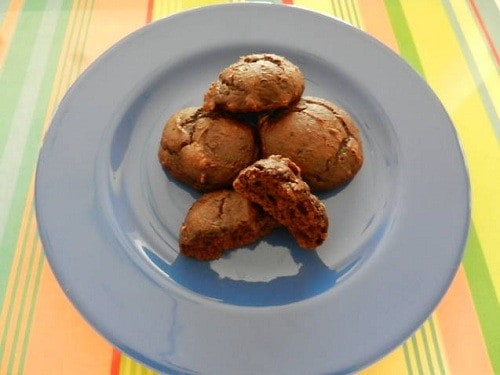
{"x": 238, "y": 309}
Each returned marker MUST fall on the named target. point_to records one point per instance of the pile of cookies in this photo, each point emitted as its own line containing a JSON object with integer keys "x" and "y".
{"x": 256, "y": 149}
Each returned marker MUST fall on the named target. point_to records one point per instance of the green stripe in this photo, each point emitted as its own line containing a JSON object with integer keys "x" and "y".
{"x": 86, "y": 18}
{"x": 36, "y": 270}
{"x": 408, "y": 51}
{"x": 417, "y": 354}
{"x": 14, "y": 70}
{"x": 79, "y": 46}
{"x": 17, "y": 275}
{"x": 11, "y": 78}
{"x": 436, "y": 346}
{"x": 427, "y": 350}
{"x": 343, "y": 11}
{"x": 406, "y": 352}
{"x": 491, "y": 17}
{"x": 484, "y": 297}
{"x": 406, "y": 44}
{"x": 481, "y": 285}
{"x": 67, "y": 60}
{"x": 335, "y": 8}
{"x": 24, "y": 305}
{"x": 19, "y": 200}
{"x": 30, "y": 153}
{"x": 38, "y": 276}
{"x": 347, "y": 12}
{"x": 476, "y": 74}
{"x": 356, "y": 17}
{"x": 350, "y": 12}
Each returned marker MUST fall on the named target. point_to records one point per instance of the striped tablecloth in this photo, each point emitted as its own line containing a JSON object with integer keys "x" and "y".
{"x": 46, "y": 44}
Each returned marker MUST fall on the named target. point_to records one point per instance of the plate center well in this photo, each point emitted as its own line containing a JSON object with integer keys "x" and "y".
{"x": 150, "y": 206}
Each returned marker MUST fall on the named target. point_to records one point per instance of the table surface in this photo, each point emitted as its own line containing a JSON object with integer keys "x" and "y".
{"x": 46, "y": 44}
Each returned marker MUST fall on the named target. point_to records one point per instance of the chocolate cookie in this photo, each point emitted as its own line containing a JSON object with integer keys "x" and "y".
{"x": 206, "y": 150}
{"x": 275, "y": 184}
{"x": 256, "y": 83}
{"x": 220, "y": 221}
{"x": 319, "y": 137}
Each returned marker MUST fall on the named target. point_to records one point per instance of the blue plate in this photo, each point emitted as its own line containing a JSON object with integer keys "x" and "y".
{"x": 109, "y": 216}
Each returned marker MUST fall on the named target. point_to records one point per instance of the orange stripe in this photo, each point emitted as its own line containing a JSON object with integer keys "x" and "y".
{"x": 131, "y": 15}
{"x": 56, "y": 327}
{"x": 375, "y": 21}
{"x": 8, "y": 27}
{"x": 149, "y": 14}
{"x": 456, "y": 320}
{"x": 115, "y": 362}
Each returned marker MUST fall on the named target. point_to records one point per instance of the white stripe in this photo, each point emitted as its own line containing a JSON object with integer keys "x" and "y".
{"x": 10, "y": 160}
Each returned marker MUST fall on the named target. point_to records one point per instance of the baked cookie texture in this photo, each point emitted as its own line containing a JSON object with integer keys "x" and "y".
{"x": 255, "y": 83}
{"x": 206, "y": 150}
{"x": 320, "y": 137}
{"x": 275, "y": 184}
{"x": 220, "y": 221}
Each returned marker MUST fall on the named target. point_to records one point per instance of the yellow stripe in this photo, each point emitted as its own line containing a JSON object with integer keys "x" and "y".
{"x": 162, "y": 9}
{"x": 412, "y": 361}
{"x": 9, "y": 293}
{"x": 65, "y": 64}
{"x": 130, "y": 367}
{"x": 25, "y": 240}
{"x": 23, "y": 334}
{"x": 447, "y": 72}
{"x": 440, "y": 346}
{"x": 12, "y": 295}
{"x": 357, "y": 10}
{"x": 433, "y": 347}
{"x": 165, "y": 8}
{"x": 19, "y": 310}
{"x": 324, "y": 6}
{"x": 124, "y": 363}
{"x": 393, "y": 363}
{"x": 345, "y": 11}
{"x": 429, "y": 367}
{"x": 156, "y": 10}
{"x": 28, "y": 225}
{"x": 480, "y": 51}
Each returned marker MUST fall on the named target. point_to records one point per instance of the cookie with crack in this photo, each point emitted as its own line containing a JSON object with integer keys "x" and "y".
{"x": 256, "y": 83}
{"x": 220, "y": 221}
{"x": 320, "y": 137}
{"x": 275, "y": 184}
{"x": 206, "y": 150}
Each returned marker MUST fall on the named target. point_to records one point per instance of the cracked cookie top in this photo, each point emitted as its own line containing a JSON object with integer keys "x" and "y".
{"x": 319, "y": 137}
{"x": 256, "y": 83}
{"x": 206, "y": 150}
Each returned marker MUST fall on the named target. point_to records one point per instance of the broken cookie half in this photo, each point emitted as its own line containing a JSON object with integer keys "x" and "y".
{"x": 276, "y": 185}
{"x": 220, "y": 221}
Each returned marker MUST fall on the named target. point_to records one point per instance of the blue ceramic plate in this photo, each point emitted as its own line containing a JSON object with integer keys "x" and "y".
{"x": 109, "y": 216}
